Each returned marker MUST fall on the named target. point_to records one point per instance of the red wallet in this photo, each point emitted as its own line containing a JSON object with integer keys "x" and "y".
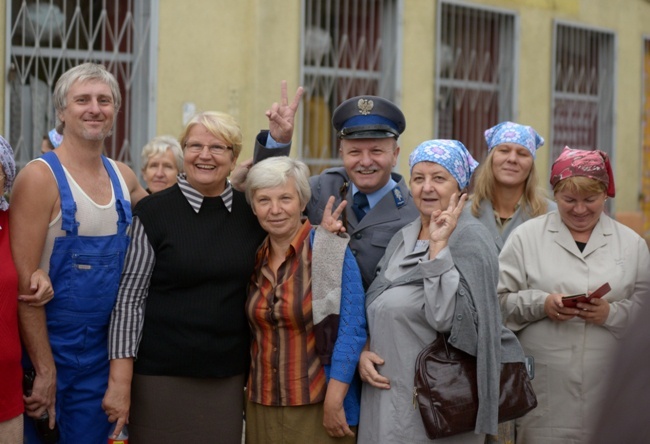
{"x": 572, "y": 300}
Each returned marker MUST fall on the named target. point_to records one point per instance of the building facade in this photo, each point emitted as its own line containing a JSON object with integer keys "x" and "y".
{"x": 576, "y": 70}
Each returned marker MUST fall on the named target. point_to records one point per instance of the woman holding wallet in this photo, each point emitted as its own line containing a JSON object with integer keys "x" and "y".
{"x": 575, "y": 249}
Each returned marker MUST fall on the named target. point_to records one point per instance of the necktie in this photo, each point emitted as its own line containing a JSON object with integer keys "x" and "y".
{"x": 360, "y": 203}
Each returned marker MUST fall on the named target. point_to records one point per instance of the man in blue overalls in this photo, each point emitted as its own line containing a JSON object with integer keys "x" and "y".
{"x": 71, "y": 210}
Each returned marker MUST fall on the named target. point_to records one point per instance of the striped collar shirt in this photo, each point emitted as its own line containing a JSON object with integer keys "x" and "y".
{"x": 196, "y": 199}
{"x": 285, "y": 368}
{"x": 128, "y": 317}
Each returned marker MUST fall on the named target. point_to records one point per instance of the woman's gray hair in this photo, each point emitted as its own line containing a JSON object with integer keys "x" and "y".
{"x": 276, "y": 171}
{"x": 84, "y": 73}
{"x": 159, "y": 145}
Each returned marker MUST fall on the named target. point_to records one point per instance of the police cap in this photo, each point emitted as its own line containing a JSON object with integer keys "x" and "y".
{"x": 368, "y": 117}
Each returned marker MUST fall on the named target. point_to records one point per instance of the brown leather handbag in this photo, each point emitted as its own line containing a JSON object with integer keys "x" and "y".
{"x": 446, "y": 390}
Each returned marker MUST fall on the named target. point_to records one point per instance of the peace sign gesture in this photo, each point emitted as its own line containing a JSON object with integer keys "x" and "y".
{"x": 331, "y": 216}
{"x": 281, "y": 116}
{"x": 443, "y": 223}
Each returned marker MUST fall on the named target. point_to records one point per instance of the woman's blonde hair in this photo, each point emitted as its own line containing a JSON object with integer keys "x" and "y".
{"x": 220, "y": 125}
{"x": 580, "y": 184}
{"x": 533, "y": 200}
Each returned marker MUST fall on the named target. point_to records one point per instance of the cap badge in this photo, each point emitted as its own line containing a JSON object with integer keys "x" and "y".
{"x": 365, "y": 106}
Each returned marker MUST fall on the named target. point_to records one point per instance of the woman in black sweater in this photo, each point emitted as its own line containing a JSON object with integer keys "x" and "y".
{"x": 179, "y": 339}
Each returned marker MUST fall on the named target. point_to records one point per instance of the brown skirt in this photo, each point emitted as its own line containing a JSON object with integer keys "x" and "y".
{"x": 168, "y": 409}
{"x": 289, "y": 425}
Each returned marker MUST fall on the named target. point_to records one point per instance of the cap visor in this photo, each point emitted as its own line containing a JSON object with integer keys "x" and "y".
{"x": 373, "y": 134}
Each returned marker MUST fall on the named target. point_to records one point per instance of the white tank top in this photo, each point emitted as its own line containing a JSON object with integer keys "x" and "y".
{"x": 94, "y": 219}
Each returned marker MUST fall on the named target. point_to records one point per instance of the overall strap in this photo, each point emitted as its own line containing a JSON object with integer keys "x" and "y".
{"x": 68, "y": 205}
{"x": 122, "y": 205}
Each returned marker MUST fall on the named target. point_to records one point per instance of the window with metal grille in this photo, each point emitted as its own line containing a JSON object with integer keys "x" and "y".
{"x": 47, "y": 37}
{"x": 645, "y": 170}
{"x": 475, "y": 72}
{"x": 348, "y": 48}
{"x": 583, "y": 89}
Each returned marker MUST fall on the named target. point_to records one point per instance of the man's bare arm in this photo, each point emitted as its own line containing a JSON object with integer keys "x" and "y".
{"x": 135, "y": 189}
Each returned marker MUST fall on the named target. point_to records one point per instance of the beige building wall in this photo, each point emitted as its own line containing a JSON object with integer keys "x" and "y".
{"x": 231, "y": 56}
{"x": 226, "y": 56}
{"x": 630, "y": 21}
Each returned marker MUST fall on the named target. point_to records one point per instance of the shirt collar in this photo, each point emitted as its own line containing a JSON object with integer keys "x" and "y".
{"x": 195, "y": 198}
{"x": 374, "y": 198}
{"x": 296, "y": 244}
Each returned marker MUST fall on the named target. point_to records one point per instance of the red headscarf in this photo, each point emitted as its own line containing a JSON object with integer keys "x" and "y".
{"x": 592, "y": 164}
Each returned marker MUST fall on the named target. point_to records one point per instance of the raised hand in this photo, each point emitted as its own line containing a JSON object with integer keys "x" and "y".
{"x": 281, "y": 116}
{"x": 443, "y": 223}
{"x": 331, "y": 220}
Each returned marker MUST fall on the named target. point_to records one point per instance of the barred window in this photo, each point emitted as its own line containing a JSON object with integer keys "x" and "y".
{"x": 645, "y": 178}
{"x": 348, "y": 49}
{"x": 583, "y": 89}
{"x": 47, "y": 37}
{"x": 475, "y": 72}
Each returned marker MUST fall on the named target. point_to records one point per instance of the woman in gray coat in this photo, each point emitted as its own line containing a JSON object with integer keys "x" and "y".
{"x": 506, "y": 193}
{"x": 438, "y": 275}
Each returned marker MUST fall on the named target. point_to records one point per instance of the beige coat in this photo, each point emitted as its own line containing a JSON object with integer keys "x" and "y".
{"x": 539, "y": 258}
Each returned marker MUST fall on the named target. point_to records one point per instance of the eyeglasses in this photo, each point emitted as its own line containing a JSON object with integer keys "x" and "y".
{"x": 217, "y": 150}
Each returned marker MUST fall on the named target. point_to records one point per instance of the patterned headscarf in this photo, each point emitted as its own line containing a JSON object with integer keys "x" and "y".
{"x": 592, "y": 164}
{"x": 510, "y": 132}
{"x": 9, "y": 168}
{"x": 55, "y": 137}
{"x": 451, "y": 154}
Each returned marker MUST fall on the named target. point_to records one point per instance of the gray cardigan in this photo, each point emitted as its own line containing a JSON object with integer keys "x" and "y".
{"x": 475, "y": 257}
{"x": 486, "y": 216}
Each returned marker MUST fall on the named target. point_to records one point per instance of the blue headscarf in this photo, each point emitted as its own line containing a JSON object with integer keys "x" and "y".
{"x": 451, "y": 154}
{"x": 9, "y": 168}
{"x": 510, "y": 132}
{"x": 55, "y": 137}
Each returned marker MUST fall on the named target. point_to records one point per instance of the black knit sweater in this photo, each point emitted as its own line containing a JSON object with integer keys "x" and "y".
{"x": 194, "y": 322}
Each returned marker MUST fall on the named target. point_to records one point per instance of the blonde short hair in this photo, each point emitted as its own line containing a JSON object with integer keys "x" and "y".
{"x": 220, "y": 125}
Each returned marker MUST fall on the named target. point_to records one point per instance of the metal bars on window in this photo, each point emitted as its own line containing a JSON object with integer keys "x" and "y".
{"x": 645, "y": 170}
{"x": 348, "y": 48}
{"x": 583, "y": 89}
{"x": 47, "y": 37}
{"x": 475, "y": 72}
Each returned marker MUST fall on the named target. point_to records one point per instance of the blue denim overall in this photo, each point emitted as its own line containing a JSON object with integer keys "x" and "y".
{"x": 85, "y": 273}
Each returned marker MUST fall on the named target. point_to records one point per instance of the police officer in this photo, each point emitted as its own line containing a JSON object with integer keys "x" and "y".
{"x": 379, "y": 201}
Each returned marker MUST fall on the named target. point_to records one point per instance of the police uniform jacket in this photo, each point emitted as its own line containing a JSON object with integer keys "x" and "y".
{"x": 368, "y": 238}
